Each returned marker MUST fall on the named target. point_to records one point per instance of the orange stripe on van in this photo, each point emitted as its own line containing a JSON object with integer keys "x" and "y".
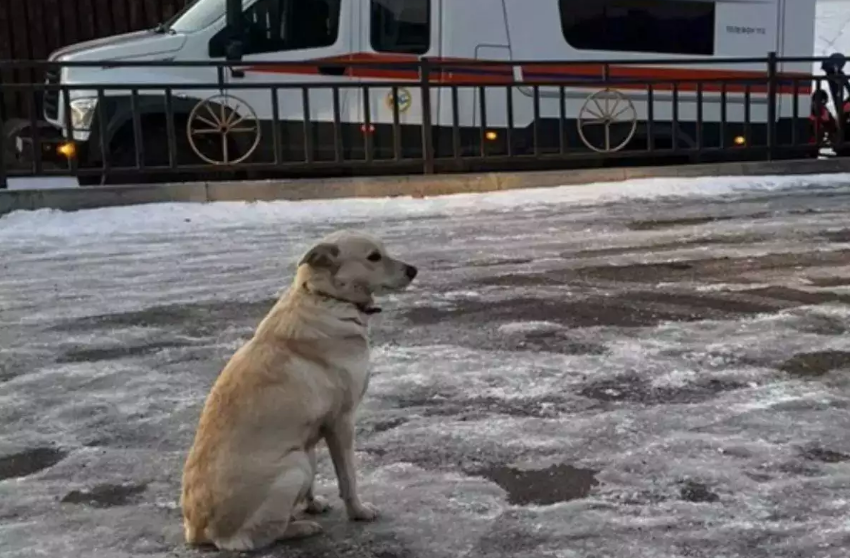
{"x": 635, "y": 77}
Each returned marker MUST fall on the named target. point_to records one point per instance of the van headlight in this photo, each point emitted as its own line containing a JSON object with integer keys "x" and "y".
{"x": 82, "y": 113}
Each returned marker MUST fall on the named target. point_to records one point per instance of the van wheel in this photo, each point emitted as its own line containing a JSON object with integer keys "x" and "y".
{"x": 155, "y": 145}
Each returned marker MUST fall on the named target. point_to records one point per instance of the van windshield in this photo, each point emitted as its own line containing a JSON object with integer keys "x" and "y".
{"x": 198, "y": 15}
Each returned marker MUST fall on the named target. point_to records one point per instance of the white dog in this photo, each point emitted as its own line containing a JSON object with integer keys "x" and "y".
{"x": 299, "y": 380}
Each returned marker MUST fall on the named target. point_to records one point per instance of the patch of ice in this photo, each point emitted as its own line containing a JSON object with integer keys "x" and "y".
{"x": 529, "y": 327}
{"x": 460, "y": 295}
{"x": 724, "y": 287}
{"x": 167, "y": 504}
{"x": 676, "y": 378}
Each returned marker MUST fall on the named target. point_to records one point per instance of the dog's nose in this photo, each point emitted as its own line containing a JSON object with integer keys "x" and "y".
{"x": 411, "y": 272}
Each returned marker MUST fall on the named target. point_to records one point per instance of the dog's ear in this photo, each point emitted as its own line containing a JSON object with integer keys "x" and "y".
{"x": 322, "y": 256}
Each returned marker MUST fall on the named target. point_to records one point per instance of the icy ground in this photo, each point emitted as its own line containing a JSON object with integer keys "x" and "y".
{"x": 649, "y": 369}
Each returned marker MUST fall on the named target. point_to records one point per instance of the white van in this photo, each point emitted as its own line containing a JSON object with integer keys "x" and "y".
{"x": 299, "y": 41}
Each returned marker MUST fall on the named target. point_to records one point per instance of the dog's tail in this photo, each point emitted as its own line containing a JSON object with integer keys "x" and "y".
{"x": 195, "y": 534}
{"x": 194, "y": 527}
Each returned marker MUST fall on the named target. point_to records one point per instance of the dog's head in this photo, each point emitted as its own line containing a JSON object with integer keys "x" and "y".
{"x": 352, "y": 267}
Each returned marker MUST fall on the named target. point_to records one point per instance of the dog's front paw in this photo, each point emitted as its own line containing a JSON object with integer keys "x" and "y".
{"x": 362, "y": 512}
{"x": 318, "y": 505}
{"x": 302, "y": 530}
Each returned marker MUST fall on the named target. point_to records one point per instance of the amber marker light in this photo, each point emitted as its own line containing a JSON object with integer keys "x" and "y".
{"x": 67, "y": 149}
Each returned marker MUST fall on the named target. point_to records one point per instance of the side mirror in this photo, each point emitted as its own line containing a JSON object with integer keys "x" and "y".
{"x": 227, "y": 44}
{"x": 234, "y": 51}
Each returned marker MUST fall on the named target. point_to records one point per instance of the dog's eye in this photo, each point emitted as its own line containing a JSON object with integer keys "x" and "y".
{"x": 374, "y": 257}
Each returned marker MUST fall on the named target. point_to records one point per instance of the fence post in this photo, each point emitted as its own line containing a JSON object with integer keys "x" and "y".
{"x": 427, "y": 131}
{"x": 771, "y": 105}
{"x": 4, "y": 180}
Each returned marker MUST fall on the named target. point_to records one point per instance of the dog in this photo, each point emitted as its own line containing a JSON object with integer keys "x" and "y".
{"x": 297, "y": 381}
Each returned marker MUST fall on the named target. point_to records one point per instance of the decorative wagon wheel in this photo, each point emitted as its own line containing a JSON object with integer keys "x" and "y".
{"x": 613, "y": 114}
{"x": 217, "y": 118}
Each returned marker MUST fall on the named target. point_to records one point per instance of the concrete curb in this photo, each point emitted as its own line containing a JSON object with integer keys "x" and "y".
{"x": 73, "y": 199}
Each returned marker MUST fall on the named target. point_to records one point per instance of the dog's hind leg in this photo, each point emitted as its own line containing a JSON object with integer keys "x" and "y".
{"x": 272, "y": 521}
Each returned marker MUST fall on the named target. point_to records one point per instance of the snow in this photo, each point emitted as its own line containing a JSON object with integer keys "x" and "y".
{"x": 680, "y": 342}
{"x": 174, "y": 218}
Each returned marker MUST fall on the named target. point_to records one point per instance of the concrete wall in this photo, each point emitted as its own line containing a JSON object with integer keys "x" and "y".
{"x": 71, "y": 199}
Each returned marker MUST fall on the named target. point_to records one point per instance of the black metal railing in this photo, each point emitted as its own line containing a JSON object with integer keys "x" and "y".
{"x": 335, "y": 118}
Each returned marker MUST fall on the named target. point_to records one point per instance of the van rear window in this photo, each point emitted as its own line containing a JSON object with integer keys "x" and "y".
{"x": 656, "y": 26}
{"x": 402, "y": 26}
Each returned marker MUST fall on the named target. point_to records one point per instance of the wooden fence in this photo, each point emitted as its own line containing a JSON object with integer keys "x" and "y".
{"x": 32, "y": 29}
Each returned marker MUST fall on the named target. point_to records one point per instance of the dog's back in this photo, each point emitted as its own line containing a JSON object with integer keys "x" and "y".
{"x": 219, "y": 483}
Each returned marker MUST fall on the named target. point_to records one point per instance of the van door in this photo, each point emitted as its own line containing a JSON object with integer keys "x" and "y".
{"x": 748, "y": 29}
{"x": 397, "y": 31}
{"x": 797, "y": 35}
{"x": 310, "y": 33}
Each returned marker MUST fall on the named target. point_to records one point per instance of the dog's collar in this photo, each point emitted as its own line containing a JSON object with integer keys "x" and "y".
{"x": 361, "y": 307}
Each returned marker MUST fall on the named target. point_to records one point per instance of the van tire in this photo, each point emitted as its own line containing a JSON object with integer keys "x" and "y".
{"x": 122, "y": 153}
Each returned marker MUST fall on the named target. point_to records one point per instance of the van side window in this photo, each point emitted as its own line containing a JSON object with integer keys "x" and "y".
{"x": 652, "y": 26}
{"x": 281, "y": 25}
{"x": 402, "y": 26}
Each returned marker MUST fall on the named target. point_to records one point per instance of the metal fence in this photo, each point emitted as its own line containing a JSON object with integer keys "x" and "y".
{"x": 32, "y": 29}
{"x": 291, "y": 119}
